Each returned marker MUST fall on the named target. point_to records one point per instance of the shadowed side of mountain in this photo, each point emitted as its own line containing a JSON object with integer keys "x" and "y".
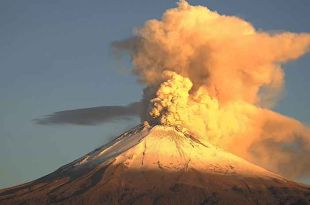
{"x": 102, "y": 186}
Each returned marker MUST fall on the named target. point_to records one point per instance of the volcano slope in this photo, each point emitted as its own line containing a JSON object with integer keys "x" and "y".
{"x": 158, "y": 165}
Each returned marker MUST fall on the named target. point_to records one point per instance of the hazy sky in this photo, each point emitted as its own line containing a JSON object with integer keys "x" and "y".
{"x": 55, "y": 55}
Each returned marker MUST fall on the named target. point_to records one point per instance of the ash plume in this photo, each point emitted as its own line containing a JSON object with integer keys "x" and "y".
{"x": 91, "y": 116}
{"x": 218, "y": 77}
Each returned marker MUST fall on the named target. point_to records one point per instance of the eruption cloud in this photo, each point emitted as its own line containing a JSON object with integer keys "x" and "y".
{"x": 218, "y": 77}
{"x": 91, "y": 116}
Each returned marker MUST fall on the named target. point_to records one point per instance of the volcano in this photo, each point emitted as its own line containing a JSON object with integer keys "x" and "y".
{"x": 158, "y": 165}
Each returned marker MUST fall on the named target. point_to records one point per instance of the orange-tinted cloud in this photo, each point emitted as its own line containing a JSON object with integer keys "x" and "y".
{"x": 216, "y": 76}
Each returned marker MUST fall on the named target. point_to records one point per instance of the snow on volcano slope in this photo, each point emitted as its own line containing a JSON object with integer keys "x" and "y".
{"x": 158, "y": 165}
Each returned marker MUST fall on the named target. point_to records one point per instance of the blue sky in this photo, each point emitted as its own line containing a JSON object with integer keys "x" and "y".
{"x": 56, "y": 55}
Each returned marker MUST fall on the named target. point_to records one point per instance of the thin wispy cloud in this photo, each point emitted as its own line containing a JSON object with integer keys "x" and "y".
{"x": 90, "y": 116}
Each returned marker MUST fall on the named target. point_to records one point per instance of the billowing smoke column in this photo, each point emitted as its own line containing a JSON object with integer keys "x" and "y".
{"x": 216, "y": 76}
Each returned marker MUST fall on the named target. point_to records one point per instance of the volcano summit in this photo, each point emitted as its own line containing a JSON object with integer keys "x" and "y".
{"x": 158, "y": 165}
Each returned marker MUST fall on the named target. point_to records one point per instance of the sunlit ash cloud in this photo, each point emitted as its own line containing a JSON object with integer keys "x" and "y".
{"x": 218, "y": 77}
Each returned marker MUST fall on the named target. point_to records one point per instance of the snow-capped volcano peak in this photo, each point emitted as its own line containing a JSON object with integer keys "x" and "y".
{"x": 167, "y": 149}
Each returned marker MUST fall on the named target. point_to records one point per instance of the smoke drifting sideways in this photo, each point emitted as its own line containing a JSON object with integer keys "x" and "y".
{"x": 91, "y": 116}
{"x": 218, "y": 77}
